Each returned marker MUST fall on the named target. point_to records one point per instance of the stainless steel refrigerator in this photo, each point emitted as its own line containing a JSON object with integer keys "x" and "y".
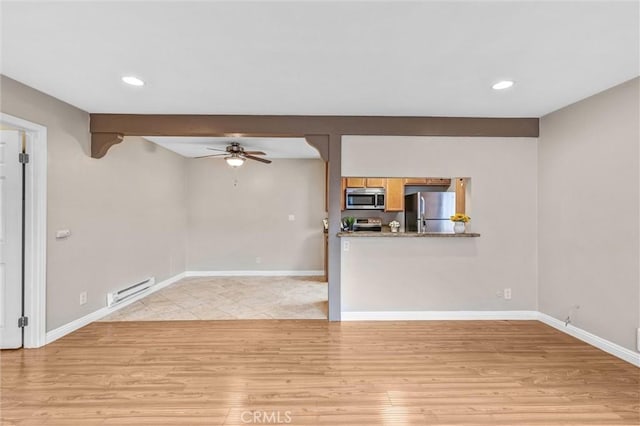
{"x": 429, "y": 211}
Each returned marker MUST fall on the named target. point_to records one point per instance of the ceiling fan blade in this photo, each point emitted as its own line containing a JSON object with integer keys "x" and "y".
{"x": 212, "y": 155}
{"x": 254, "y": 152}
{"x": 217, "y": 149}
{"x": 262, "y": 160}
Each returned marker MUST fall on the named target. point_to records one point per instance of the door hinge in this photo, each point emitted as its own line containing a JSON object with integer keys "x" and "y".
{"x": 23, "y": 158}
{"x": 23, "y": 322}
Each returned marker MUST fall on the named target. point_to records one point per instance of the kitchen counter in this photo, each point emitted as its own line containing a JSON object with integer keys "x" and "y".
{"x": 365, "y": 234}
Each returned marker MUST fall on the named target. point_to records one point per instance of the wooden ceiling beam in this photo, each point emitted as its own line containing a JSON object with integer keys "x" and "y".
{"x": 299, "y": 126}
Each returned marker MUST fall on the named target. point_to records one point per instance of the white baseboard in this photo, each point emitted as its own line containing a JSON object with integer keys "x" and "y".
{"x": 438, "y": 315}
{"x": 254, "y": 273}
{"x": 600, "y": 343}
{"x": 74, "y": 325}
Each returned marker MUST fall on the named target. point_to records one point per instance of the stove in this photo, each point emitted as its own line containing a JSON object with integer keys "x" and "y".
{"x": 370, "y": 224}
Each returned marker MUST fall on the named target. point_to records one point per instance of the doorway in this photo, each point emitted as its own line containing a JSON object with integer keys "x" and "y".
{"x": 255, "y": 246}
{"x": 23, "y": 191}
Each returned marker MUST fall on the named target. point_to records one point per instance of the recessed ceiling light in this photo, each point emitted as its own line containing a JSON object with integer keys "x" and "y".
{"x": 501, "y": 85}
{"x": 134, "y": 81}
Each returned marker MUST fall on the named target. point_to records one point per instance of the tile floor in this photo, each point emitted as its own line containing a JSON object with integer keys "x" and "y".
{"x": 229, "y": 298}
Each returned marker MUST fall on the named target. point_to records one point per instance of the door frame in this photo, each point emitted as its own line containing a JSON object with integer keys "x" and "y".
{"x": 35, "y": 243}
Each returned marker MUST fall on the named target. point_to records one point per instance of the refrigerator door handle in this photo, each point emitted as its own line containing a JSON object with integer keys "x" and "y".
{"x": 422, "y": 206}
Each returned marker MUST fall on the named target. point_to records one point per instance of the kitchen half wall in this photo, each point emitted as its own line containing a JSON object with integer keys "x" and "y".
{"x": 448, "y": 274}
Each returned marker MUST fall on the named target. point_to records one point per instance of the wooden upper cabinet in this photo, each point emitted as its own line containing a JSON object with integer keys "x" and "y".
{"x": 439, "y": 181}
{"x": 415, "y": 181}
{"x": 356, "y": 182}
{"x": 360, "y": 182}
{"x": 427, "y": 181}
{"x": 376, "y": 182}
{"x": 395, "y": 195}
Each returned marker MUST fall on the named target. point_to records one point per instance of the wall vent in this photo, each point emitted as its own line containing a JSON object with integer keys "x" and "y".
{"x": 127, "y": 293}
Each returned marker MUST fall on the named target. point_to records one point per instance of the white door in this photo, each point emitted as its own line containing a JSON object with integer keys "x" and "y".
{"x": 10, "y": 239}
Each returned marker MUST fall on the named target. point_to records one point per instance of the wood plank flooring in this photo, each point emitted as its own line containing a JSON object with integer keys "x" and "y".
{"x": 318, "y": 373}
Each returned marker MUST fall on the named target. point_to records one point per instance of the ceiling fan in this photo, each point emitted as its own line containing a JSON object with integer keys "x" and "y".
{"x": 235, "y": 155}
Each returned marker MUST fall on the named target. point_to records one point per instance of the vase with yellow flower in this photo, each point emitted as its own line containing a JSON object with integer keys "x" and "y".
{"x": 460, "y": 221}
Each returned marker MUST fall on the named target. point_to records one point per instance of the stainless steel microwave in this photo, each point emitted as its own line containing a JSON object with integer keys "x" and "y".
{"x": 365, "y": 199}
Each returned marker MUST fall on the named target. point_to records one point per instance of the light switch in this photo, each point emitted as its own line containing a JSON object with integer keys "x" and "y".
{"x": 292, "y": 217}
{"x": 62, "y": 233}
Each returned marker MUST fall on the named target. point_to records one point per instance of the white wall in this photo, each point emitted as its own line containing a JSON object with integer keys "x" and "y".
{"x": 449, "y": 274}
{"x": 125, "y": 211}
{"x": 238, "y": 215}
{"x": 589, "y": 213}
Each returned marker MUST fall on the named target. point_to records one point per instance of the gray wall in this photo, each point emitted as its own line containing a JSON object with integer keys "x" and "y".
{"x": 588, "y": 213}
{"x": 125, "y": 211}
{"x": 431, "y": 274}
{"x": 134, "y": 202}
{"x": 238, "y": 215}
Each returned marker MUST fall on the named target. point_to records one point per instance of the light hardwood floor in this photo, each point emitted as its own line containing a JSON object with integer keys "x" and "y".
{"x": 318, "y": 373}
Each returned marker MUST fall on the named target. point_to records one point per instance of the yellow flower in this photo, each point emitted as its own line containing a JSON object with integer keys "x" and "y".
{"x": 459, "y": 217}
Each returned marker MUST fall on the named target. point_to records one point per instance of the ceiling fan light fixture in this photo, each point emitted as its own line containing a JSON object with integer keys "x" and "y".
{"x": 234, "y": 160}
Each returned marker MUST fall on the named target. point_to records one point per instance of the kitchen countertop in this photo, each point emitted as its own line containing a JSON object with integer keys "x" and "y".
{"x": 360, "y": 234}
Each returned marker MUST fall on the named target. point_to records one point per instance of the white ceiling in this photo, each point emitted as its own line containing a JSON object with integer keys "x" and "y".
{"x": 273, "y": 147}
{"x": 322, "y": 57}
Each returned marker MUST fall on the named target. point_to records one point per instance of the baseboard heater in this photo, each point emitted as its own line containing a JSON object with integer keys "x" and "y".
{"x": 129, "y": 292}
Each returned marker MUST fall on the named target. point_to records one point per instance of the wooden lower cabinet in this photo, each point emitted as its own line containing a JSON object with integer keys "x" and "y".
{"x": 395, "y": 195}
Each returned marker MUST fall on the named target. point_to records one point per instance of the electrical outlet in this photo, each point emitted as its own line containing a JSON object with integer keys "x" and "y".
{"x": 346, "y": 245}
{"x": 83, "y": 298}
{"x": 507, "y": 294}
{"x": 292, "y": 217}
{"x": 499, "y": 294}
{"x": 258, "y": 260}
